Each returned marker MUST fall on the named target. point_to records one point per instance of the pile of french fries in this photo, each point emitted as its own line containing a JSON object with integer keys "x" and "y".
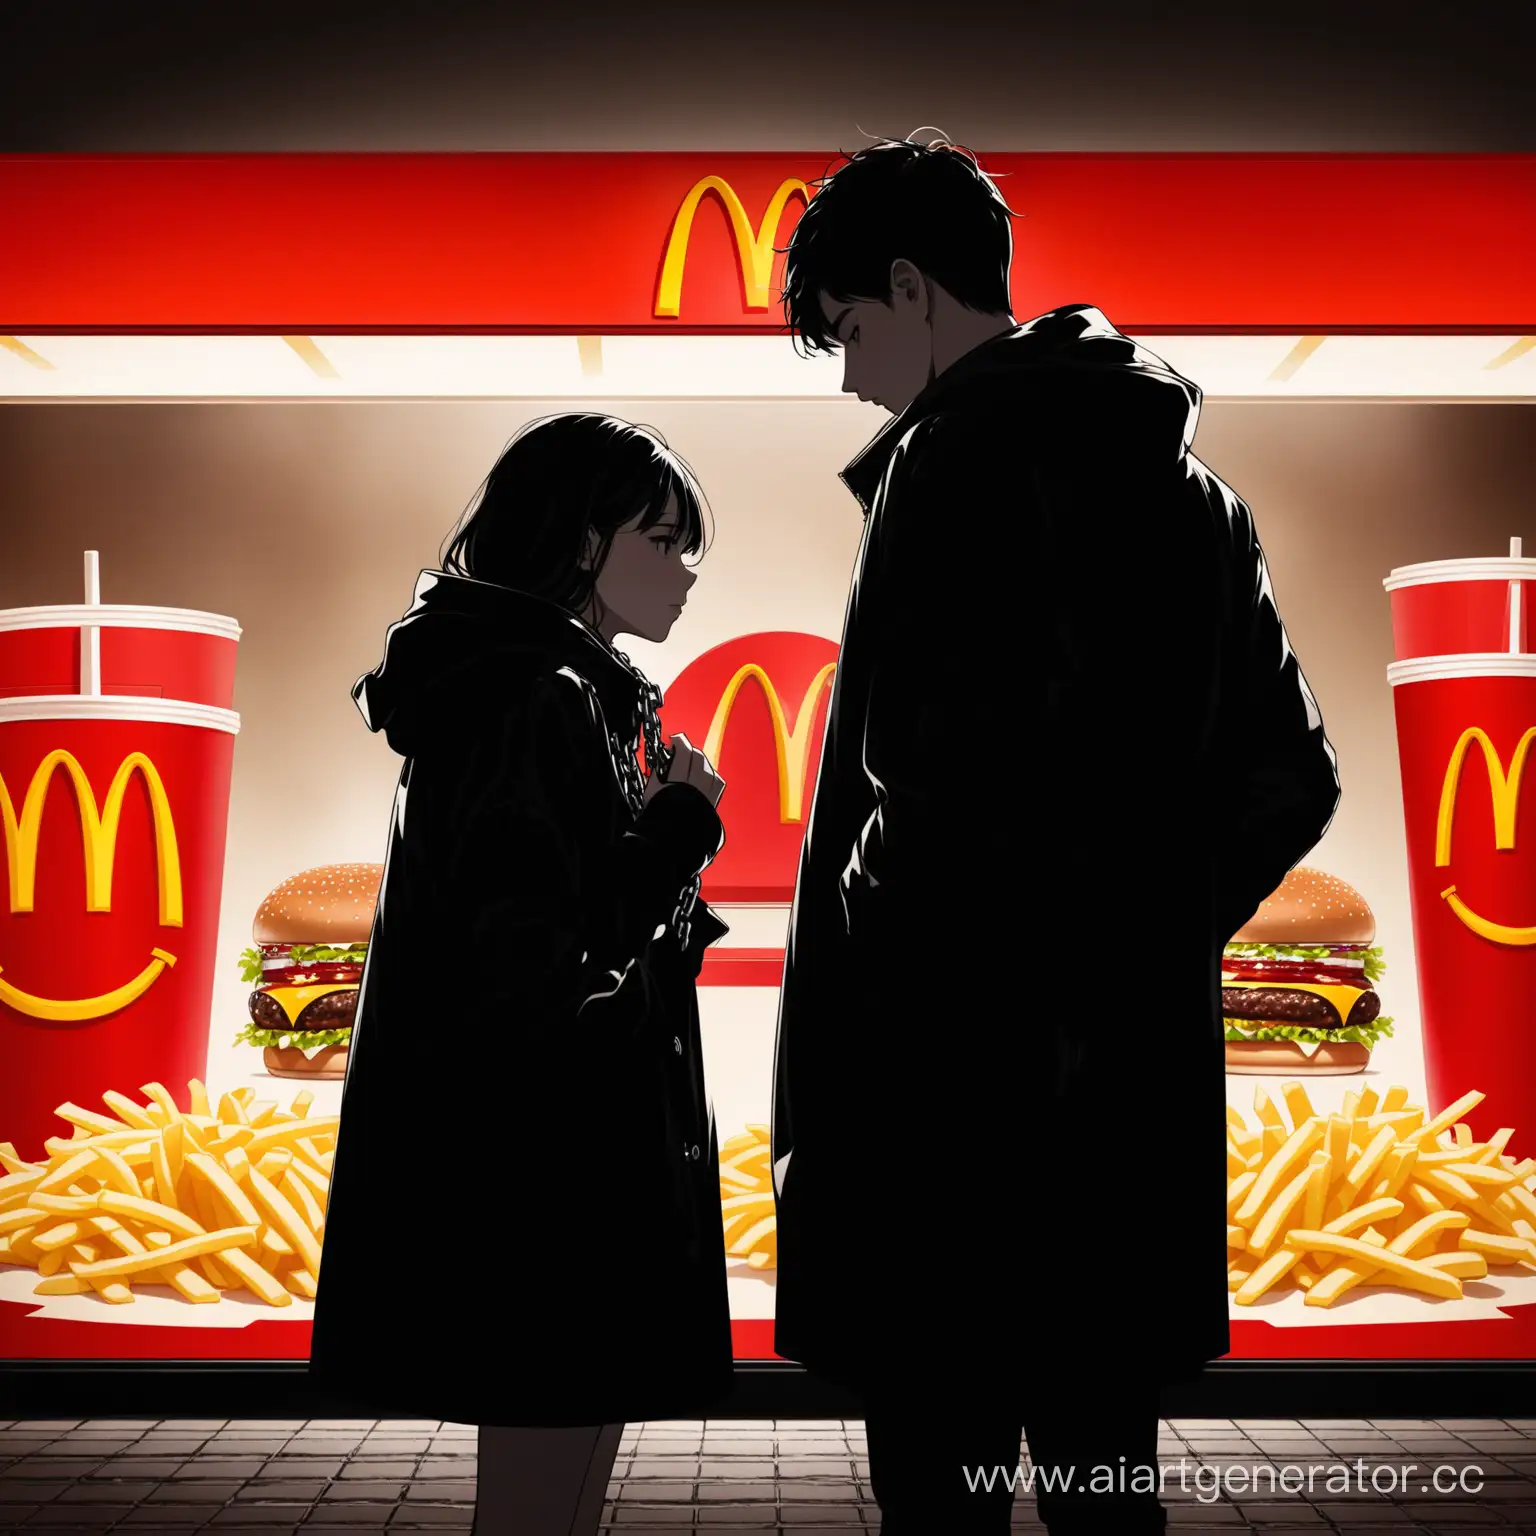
{"x": 1378, "y": 1194}
{"x": 746, "y": 1199}
{"x": 202, "y": 1201}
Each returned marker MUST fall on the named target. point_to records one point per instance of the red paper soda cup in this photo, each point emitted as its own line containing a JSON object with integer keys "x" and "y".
{"x": 1463, "y": 607}
{"x": 1466, "y": 731}
{"x": 114, "y": 809}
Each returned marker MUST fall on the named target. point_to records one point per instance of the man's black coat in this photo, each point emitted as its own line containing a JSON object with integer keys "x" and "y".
{"x": 1069, "y": 751}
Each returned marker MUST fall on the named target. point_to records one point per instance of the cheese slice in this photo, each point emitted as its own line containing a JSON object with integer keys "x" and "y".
{"x": 294, "y": 1000}
{"x": 1342, "y": 998}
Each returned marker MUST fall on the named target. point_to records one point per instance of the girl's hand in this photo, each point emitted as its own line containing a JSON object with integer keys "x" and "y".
{"x": 688, "y": 766}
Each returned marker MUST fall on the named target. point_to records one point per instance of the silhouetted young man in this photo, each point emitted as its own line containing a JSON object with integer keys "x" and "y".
{"x": 1069, "y": 752}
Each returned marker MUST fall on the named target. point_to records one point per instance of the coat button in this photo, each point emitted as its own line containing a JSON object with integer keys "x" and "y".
{"x": 677, "y": 1045}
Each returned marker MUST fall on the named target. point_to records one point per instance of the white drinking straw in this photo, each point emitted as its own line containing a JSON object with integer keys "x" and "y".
{"x": 1515, "y": 547}
{"x": 90, "y": 634}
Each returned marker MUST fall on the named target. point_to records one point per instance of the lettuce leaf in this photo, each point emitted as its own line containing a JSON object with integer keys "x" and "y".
{"x": 1375, "y": 965}
{"x": 281, "y": 1039}
{"x": 1357, "y": 1034}
{"x": 303, "y": 954}
{"x": 325, "y": 954}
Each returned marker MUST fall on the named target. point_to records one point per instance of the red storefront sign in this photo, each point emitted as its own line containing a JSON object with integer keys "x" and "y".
{"x": 579, "y": 242}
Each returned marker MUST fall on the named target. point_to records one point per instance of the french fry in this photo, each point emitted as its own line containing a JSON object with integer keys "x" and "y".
{"x": 1396, "y": 1171}
{"x": 159, "y": 1095}
{"x": 286, "y": 1219}
{"x": 319, "y": 1184}
{"x": 1481, "y": 1176}
{"x": 1294, "y": 1149}
{"x": 257, "y": 1279}
{"x": 224, "y": 1188}
{"x": 59, "y": 1179}
{"x": 302, "y": 1198}
{"x": 90, "y": 1121}
{"x": 1498, "y": 1248}
{"x": 232, "y": 1111}
{"x": 1297, "y": 1102}
{"x": 1278, "y": 1212}
{"x": 1337, "y": 1143}
{"x": 1449, "y": 1116}
{"x": 1410, "y": 1271}
{"x": 60, "y": 1236}
{"x": 64, "y": 1205}
{"x": 63, "y": 1285}
{"x": 188, "y": 1248}
{"x": 1465, "y": 1266}
{"x": 272, "y": 1243}
{"x": 1369, "y": 1162}
{"x": 291, "y": 1134}
{"x": 1268, "y": 1114}
{"x": 161, "y": 1214}
{"x": 128, "y": 1113}
{"x": 111, "y": 1168}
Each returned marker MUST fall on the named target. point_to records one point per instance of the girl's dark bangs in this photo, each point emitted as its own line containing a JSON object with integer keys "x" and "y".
{"x": 690, "y": 510}
{"x": 672, "y": 477}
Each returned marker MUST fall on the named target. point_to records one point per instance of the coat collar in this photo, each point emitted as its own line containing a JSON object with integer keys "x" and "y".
{"x": 867, "y": 468}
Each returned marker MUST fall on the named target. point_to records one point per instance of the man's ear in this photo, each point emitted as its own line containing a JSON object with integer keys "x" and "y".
{"x": 908, "y": 286}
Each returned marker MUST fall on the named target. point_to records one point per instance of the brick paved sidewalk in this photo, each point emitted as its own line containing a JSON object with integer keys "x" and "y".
{"x": 178, "y": 1476}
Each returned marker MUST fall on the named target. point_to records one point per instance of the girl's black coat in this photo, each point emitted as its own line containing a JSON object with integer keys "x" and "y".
{"x": 524, "y": 1225}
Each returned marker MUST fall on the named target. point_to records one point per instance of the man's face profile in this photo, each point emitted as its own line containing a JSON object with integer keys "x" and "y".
{"x": 887, "y": 345}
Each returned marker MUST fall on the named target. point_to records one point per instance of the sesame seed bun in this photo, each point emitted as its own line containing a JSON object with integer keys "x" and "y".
{"x": 332, "y": 904}
{"x": 1311, "y": 907}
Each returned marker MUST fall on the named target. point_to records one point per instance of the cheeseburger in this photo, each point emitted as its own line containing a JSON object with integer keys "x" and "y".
{"x": 1298, "y": 983}
{"x": 311, "y": 938}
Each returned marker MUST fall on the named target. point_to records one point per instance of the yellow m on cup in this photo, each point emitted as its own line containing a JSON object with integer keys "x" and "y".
{"x": 1505, "y": 789}
{"x": 98, "y": 835}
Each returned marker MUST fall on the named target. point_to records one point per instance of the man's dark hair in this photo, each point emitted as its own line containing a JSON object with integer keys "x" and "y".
{"x": 930, "y": 204}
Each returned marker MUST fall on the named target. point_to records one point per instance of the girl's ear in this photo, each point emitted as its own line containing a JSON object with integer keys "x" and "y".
{"x": 593, "y": 550}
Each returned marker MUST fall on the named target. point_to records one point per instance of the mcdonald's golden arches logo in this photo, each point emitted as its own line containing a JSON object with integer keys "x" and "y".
{"x": 792, "y": 743}
{"x": 754, "y": 248}
{"x": 98, "y": 836}
{"x": 1505, "y": 790}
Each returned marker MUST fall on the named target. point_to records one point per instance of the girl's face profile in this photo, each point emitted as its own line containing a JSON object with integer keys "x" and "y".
{"x": 644, "y": 583}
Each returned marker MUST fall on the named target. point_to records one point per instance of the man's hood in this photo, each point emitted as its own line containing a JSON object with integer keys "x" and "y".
{"x": 1072, "y": 354}
{"x": 464, "y": 645}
